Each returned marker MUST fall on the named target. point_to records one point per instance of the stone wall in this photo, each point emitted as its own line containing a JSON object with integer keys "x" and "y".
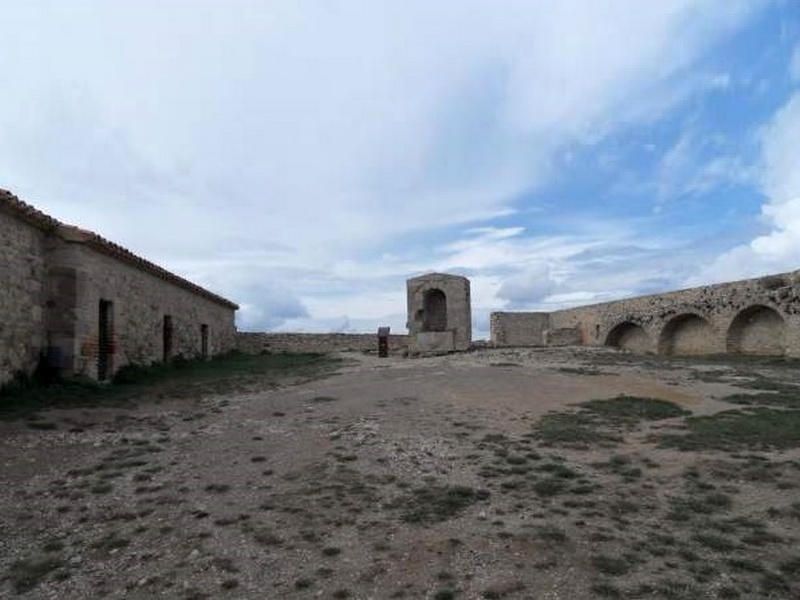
{"x": 519, "y": 328}
{"x": 77, "y": 303}
{"x": 22, "y": 265}
{"x": 256, "y": 343}
{"x": 753, "y": 316}
{"x": 138, "y": 301}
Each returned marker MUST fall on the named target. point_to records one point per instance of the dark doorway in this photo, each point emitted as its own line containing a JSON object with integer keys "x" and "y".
{"x": 167, "y": 337}
{"x": 204, "y": 340}
{"x": 434, "y": 308}
{"x": 105, "y": 340}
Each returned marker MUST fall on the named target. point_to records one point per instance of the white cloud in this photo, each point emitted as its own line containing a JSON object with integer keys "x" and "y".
{"x": 697, "y": 164}
{"x": 778, "y": 249}
{"x": 529, "y": 287}
{"x": 285, "y": 138}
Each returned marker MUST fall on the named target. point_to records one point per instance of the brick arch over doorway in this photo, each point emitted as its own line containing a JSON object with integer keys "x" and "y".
{"x": 757, "y": 329}
{"x": 686, "y": 334}
{"x": 629, "y": 336}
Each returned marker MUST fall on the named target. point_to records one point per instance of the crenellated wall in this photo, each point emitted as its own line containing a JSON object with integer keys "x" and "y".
{"x": 256, "y": 343}
{"x": 753, "y": 316}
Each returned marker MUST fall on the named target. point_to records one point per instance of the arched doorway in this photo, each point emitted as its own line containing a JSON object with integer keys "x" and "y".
{"x": 686, "y": 334}
{"x": 757, "y": 330}
{"x": 629, "y": 336}
{"x": 434, "y": 310}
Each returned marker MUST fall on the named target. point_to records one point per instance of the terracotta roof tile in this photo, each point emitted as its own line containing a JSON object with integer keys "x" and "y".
{"x": 70, "y": 233}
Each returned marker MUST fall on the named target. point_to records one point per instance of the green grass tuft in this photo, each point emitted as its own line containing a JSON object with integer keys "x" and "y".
{"x": 756, "y": 429}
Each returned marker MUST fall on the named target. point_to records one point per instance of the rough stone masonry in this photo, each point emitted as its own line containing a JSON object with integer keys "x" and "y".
{"x": 753, "y": 316}
{"x": 77, "y": 304}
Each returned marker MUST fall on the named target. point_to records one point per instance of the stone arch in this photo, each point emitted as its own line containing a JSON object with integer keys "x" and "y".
{"x": 757, "y": 329}
{"x": 686, "y": 334}
{"x": 434, "y": 310}
{"x": 629, "y": 336}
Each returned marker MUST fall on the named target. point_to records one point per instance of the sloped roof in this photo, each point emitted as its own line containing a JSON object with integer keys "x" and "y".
{"x": 12, "y": 205}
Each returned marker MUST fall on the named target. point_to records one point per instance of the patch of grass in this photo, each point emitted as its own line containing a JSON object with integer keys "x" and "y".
{"x": 606, "y": 590}
{"x": 110, "y": 542}
{"x": 683, "y": 508}
{"x": 774, "y": 583}
{"x": 180, "y": 378}
{"x": 744, "y": 565}
{"x": 435, "y": 503}
{"x": 53, "y": 546}
{"x": 771, "y": 392}
{"x": 571, "y": 429}
{"x": 217, "y": 488}
{"x": 625, "y": 410}
{"x": 714, "y": 542}
{"x": 229, "y": 584}
{"x": 303, "y": 583}
{"x": 27, "y": 573}
{"x": 551, "y": 486}
{"x": 598, "y": 421}
{"x": 266, "y": 537}
{"x": 611, "y": 565}
{"x": 320, "y": 399}
{"x": 791, "y": 567}
{"x": 101, "y": 487}
{"x": 559, "y": 470}
{"x": 759, "y": 428}
{"x": 551, "y": 533}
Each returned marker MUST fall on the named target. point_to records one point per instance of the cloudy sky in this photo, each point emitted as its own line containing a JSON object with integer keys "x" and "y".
{"x": 305, "y": 157}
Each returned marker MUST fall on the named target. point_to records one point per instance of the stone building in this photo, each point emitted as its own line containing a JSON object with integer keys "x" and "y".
{"x": 439, "y": 313}
{"x": 78, "y": 304}
{"x": 753, "y": 316}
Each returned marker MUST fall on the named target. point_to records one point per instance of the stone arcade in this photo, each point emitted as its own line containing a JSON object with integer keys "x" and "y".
{"x": 754, "y": 316}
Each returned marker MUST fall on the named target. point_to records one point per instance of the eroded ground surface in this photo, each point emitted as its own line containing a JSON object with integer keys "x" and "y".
{"x": 472, "y": 476}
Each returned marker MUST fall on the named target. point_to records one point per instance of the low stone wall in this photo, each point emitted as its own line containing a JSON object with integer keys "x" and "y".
{"x": 519, "y": 328}
{"x": 256, "y": 343}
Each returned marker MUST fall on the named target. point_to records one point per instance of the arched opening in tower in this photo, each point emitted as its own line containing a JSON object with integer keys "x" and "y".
{"x": 434, "y": 307}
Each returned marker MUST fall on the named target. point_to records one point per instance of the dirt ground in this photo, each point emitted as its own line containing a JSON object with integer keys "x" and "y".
{"x": 462, "y": 476}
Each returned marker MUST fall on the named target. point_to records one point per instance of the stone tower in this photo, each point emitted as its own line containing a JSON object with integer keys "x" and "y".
{"x": 439, "y": 313}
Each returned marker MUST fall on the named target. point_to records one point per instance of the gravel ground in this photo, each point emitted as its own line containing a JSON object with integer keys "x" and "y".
{"x": 404, "y": 478}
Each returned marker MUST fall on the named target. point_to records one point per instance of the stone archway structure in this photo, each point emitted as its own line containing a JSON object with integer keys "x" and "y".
{"x": 750, "y": 316}
{"x": 629, "y": 336}
{"x": 757, "y": 329}
{"x": 686, "y": 334}
{"x": 439, "y": 313}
